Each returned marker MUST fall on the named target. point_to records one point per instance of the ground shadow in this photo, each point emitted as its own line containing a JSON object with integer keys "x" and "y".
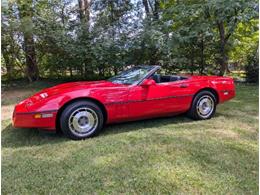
{"x": 143, "y": 124}
{"x": 14, "y": 138}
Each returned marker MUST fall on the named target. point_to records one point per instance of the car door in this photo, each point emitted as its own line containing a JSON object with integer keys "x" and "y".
{"x": 182, "y": 93}
{"x": 158, "y": 100}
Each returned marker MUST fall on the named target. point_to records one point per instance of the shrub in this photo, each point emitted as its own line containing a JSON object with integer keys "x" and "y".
{"x": 252, "y": 68}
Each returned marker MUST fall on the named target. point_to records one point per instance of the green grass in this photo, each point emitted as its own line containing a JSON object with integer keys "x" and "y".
{"x": 169, "y": 155}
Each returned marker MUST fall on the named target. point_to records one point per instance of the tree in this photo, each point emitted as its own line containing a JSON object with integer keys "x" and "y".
{"x": 95, "y": 39}
{"x": 191, "y": 35}
{"x": 244, "y": 41}
{"x": 226, "y": 15}
{"x": 11, "y": 49}
{"x": 7, "y": 43}
{"x": 26, "y": 13}
{"x": 252, "y": 67}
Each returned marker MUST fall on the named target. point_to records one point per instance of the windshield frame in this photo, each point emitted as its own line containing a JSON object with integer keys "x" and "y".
{"x": 154, "y": 68}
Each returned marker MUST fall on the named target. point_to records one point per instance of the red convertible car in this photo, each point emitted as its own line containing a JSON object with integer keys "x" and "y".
{"x": 80, "y": 109}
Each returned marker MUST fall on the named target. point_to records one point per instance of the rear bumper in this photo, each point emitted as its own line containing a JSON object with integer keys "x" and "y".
{"x": 225, "y": 95}
{"x": 28, "y": 120}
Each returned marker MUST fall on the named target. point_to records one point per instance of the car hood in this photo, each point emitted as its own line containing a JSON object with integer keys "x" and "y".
{"x": 80, "y": 84}
{"x": 71, "y": 86}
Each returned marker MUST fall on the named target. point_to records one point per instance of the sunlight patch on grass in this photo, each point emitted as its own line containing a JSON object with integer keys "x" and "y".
{"x": 225, "y": 134}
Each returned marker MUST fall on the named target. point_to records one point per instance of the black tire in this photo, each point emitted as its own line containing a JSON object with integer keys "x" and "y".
{"x": 69, "y": 118}
{"x": 195, "y": 111}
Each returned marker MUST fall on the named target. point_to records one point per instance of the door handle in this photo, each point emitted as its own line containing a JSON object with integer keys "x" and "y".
{"x": 184, "y": 85}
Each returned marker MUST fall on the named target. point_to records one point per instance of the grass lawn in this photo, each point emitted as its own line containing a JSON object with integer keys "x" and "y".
{"x": 168, "y": 155}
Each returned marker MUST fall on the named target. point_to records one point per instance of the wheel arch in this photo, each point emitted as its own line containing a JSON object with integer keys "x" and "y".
{"x": 61, "y": 109}
{"x": 212, "y": 90}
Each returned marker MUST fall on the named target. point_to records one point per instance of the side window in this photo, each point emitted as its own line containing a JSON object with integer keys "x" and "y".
{"x": 160, "y": 77}
{"x": 156, "y": 77}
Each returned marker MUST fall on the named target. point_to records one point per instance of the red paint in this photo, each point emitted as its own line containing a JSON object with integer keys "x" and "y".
{"x": 122, "y": 102}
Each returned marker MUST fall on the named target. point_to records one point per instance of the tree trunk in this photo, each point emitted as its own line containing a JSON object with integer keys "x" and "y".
{"x": 32, "y": 70}
{"x": 146, "y": 7}
{"x": 71, "y": 72}
{"x": 202, "y": 60}
{"x": 84, "y": 13}
{"x": 101, "y": 71}
{"x": 7, "y": 46}
{"x": 156, "y": 9}
{"x": 87, "y": 11}
{"x": 223, "y": 56}
{"x": 26, "y": 14}
{"x": 192, "y": 63}
{"x": 115, "y": 70}
{"x": 8, "y": 63}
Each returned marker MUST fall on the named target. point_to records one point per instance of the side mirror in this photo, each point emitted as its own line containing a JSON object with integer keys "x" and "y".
{"x": 148, "y": 82}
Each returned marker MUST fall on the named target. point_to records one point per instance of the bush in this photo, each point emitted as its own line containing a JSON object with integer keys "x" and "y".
{"x": 252, "y": 69}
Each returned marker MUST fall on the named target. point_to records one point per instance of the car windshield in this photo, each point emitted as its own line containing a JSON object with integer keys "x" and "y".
{"x": 132, "y": 75}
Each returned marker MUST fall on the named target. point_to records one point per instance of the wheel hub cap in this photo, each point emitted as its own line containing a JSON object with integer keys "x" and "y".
{"x": 83, "y": 121}
{"x": 205, "y": 106}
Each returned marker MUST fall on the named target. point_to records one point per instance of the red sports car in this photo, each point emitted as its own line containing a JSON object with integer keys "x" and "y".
{"x": 80, "y": 109}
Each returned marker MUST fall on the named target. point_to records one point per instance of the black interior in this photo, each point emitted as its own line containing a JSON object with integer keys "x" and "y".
{"x": 167, "y": 78}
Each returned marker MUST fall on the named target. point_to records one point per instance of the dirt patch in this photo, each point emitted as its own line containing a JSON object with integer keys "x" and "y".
{"x": 10, "y": 98}
{"x": 6, "y": 112}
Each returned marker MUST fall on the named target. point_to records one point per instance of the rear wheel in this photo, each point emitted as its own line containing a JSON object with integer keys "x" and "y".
{"x": 81, "y": 119}
{"x": 203, "y": 106}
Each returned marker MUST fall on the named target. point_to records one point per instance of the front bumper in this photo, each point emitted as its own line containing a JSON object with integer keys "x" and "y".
{"x": 29, "y": 120}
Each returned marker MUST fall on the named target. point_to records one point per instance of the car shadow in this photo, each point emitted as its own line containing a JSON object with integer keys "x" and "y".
{"x": 14, "y": 138}
{"x": 144, "y": 124}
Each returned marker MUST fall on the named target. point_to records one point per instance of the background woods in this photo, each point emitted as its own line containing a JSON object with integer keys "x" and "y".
{"x": 93, "y": 39}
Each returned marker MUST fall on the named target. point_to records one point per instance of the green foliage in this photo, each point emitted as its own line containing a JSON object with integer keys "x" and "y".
{"x": 182, "y": 36}
{"x": 244, "y": 42}
{"x": 252, "y": 68}
{"x": 202, "y": 31}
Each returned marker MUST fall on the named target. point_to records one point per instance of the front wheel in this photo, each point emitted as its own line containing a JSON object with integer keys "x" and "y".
{"x": 203, "y": 106}
{"x": 81, "y": 119}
